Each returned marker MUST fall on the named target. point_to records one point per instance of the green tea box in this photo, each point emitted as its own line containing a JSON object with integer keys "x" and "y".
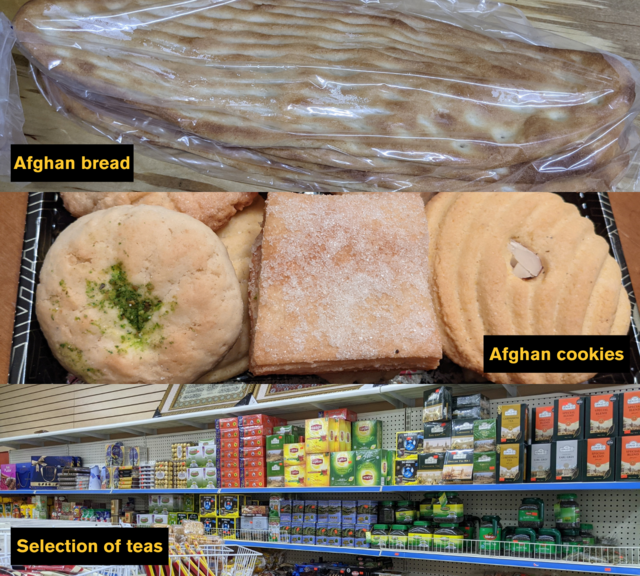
{"x": 373, "y": 467}
{"x": 366, "y": 435}
{"x": 343, "y": 469}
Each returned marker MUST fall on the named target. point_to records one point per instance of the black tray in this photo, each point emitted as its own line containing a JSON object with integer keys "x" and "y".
{"x": 33, "y": 363}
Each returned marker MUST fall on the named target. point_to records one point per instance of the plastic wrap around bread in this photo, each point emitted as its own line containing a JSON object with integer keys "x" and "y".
{"x": 519, "y": 264}
{"x": 339, "y": 95}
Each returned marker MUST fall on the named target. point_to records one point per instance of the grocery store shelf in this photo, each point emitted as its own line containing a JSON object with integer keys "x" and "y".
{"x": 549, "y": 487}
{"x": 398, "y": 395}
{"x": 447, "y": 557}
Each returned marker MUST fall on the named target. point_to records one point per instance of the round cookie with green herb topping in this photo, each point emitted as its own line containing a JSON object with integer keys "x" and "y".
{"x": 139, "y": 294}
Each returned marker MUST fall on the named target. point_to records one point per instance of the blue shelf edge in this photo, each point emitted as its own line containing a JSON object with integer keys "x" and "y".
{"x": 526, "y": 487}
{"x": 486, "y": 560}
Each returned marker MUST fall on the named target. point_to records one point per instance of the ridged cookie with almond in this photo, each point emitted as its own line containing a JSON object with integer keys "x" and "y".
{"x": 475, "y": 283}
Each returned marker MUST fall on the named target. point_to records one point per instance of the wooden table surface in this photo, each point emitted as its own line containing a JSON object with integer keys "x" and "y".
{"x": 626, "y": 209}
{"x": 612, "y": 25}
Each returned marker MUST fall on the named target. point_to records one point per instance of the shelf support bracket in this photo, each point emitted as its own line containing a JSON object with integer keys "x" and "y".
{"x": 512, "y": 390}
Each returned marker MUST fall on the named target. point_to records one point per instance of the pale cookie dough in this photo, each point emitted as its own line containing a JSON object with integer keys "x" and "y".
{"x": 238, "y": 236}
{"x": 215, "y": 209}
{"x": 479, "y": 286}
{"x": 139, "y": 294}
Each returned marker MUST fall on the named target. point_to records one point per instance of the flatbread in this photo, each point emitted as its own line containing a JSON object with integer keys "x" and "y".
{"x": 325, "y": 76}
{"x": 476, "y": 293}
{"x": 214, "y": 209}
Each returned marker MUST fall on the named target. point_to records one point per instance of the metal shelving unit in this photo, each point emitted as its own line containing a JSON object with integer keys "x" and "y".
{"x": 613, "y": 507}
{"x": 448, "y": 557}
{"x": 525, "y": 487}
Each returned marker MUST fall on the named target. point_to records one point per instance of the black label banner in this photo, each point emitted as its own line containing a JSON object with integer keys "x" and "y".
{"x": 570, "y": 354}
{"x": 72, "y": 162}
{"x": 89, "y": 547}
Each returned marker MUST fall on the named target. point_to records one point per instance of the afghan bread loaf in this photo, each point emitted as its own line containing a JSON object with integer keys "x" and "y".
{"x": 343, "y": 286}
{"x": 238, "y": 237}
{"x": 475, "y": 291}
{"x": 139, "y": 294}
{"x": 215, "y": 209}
{"x": 264, "y": 73}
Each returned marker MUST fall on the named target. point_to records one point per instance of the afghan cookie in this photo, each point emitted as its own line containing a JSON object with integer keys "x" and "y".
{"x": 518, "y": 264}
{"x": 238, "y": 237}
{"x": 341, "y": 283}
{"x": 214, "y": 209}
{"x": 139, "y": 294}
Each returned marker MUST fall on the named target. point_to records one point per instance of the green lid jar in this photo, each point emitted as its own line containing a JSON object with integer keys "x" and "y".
{"x": 448, "y": 538}
{"x": 405, "y": 513}
{"x": 398, "y": 537}
{"x": 426, "y": 506}
{"x": 420, "y": 536}
{"x": 567, "y": 512}
{"x": 387, "y": 513}
{"x": 452, "y": 511}
{"x": 380, "y": 536}
{"x": 586, "y": 531}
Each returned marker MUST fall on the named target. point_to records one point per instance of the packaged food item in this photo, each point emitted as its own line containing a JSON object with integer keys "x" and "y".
{"x": 473, "y": 413}
{"x": 448, "y": 538}
{"x": 448, "y": 508}
{"x": 343, "y": 468}
{"x": 114, "y": 454}
{"x": 511, "y": 462}
{"x": 294, "y": 476}
{"x": 227, "y": 528}
{"x": 294, "y": 454}
{"x": 406, "y": 472}
{"x": 275, "y": 469}
{"x": 568, "y": 418}
{"x": 373, "y": 467}
{"x": 484, "y": 468}
{"x": 297, "y": 511}
{"x": 471, "y": 401}
{"x": 405, "y": 513}
{"x": 599, "y": 462}
{"x": 437, "y": 404}
{"x": 409, "y": 443}
{"x": 602, "y": 418}
{"x": 543, "y": 424}
{"x": 254, "y": 442}
{"x": 362, "y": 537}
{"x": 321, "y": 535}
{"x": 441, "y": 445}
{"x": 226, "y": 423}
{"x": 628, "y": 456}
{"x": 513, "y": 423}
{"x": 278, "y": 441}
{"x": 334, "y": 535}
{"x": 8, "y": 477}
{"x": 264, "y": 430}
{"x": 567, "y": 512}
{"x": 366, "y": 435}
{"x": 334, "y": 511}
{"x": 349, "y": 511}
{"x": 321, "y": 435}
{"x": 310, "y": 512}
{"x": 345, "y": 435}
{"x": 366, "y": 511}
{"x": 229, "y": 505}
{"x": 541, "y": 462}
{"x": 484, "y": 435}
{"x": 296, "y": 534}
{"x": 458, "y": 467}
{"x": 568, "y": 460}
{"x": 341, "y": 413}
{"x": 420, "y": 536}
{"x": 462, "y": 437}
{"x": 348, "y": 535}
{"x": 430, "y": 467}
{"x": 629, "y": 403}
{"x": 436, "y": 430}
{"x": 296, "y": 431}
{"x": 317, "y": 470}
{"x": 163, "y": 474}
{"x": 251, "y": 420}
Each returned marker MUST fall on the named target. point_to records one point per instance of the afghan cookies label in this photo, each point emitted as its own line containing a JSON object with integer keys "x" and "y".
{"x": 550, "y": 354}
{"x": 72, "y": 163}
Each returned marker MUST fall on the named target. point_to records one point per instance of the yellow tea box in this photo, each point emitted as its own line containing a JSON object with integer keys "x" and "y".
{"x": 513, "y": 423}
{"x": 294, "y": 476}
{"x": 318, "y": 466}
{"x": 344, "y": 441}
{"x": 322, "y": 435}
{"x": 294, "y": 454}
